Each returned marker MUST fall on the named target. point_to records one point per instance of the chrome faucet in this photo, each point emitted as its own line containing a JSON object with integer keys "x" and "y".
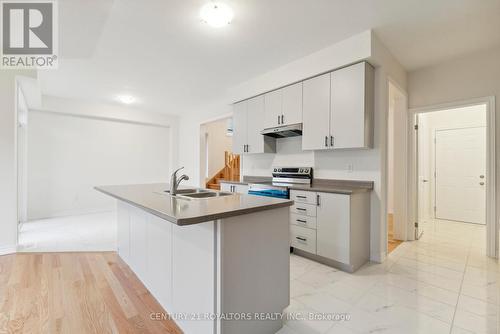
{"x": 174, "y": 182}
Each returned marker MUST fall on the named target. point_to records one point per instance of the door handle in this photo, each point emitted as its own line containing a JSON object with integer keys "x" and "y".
{"x": 424, "y": 181}
{"x": 481, "y": 183}
{"x": 481, "y": 176}
{"x": 282, "y": 119}
{"x": 326, "y": 141}
{"x": 278, "y": 119}
{"x": 301, "y": 239}
{"x": 331, "y": 141}
{"x": 318, "y": 200}
{"x": 301, "y": 221}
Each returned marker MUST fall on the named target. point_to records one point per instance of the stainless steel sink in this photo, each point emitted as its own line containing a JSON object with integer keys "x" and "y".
{"x": 189, "y": 191}
{"x": 207, "y": 194}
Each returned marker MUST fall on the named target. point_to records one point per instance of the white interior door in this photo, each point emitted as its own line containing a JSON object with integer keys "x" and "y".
{"x": 461, "y": 174}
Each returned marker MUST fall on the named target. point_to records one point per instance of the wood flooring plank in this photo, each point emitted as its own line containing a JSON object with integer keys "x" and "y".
{"x": 73, "y": 293}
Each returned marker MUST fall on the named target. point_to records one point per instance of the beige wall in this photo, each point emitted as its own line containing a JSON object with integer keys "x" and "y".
{"x": 472, "y": 76}
{"x": 214, "y": 135}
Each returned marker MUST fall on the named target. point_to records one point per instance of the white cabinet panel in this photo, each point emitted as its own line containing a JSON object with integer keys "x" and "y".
{"x": 159, "y": 260}
{"x": 292, "y": 104}
{"x": 234, "y": 188}
{"x": 241, "y": 188}
{"x": 303, "y": 238}
{"x": 304, "y": 221}
{"x": 351, "y": 103}
{"x": 255, "y": 122}
{"x": 227, "y": 187}
{"x": 138, "y": 243}
{"x": 123, "y": 231}
{"x": 333, "y": 227}
{"x": 273, "y": 107}
{"x": 239, "y": 127}
{"x": 316, "y": 113}
{"x": 304, "y": 209}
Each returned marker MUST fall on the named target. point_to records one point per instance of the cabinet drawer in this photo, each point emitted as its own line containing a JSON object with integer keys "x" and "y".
{"x": 303, "y": 238}
{"x": 303, "y": 221}
{"x": 303, "y": 209}
{"x": 308, "y": 197}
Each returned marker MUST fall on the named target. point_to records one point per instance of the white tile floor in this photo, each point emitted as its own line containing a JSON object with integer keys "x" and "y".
{"x": 92, "y": 232}
{"x": 443, "y": 283}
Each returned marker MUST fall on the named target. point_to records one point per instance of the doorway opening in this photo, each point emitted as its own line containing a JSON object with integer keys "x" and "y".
{"x": 453, "y": 163}
{"x": 217, "y": 162}
{"x": 397, "y": 121}
{"x": 452, "y": 180}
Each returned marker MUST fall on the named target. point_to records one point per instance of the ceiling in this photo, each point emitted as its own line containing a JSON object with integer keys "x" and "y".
{"x": 160, "y": 52}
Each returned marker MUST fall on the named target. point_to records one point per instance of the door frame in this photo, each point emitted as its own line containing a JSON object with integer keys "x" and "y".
{"x": 491, "y": 224}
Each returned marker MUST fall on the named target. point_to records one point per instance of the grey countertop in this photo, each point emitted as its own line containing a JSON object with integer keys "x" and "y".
{"x": 320, "y": 185}
{"x": 186, "y": 211}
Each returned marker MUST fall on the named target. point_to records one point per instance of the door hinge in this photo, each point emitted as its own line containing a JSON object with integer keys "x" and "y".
{"x": 416, "y": 127}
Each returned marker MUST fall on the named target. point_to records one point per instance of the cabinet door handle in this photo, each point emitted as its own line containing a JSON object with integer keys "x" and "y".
{"x": 326, "y": 141}
{"x": 301, "y": 209}
{"x": 331, "y": 141}
{"x": 302, "y": 221}
{"x": 301, "y": 239}
{"x": 278, "y": 119}
{"x": 299, "y": 196}
{"x": 318, "y": 202}
{"x": 282, "y": 119}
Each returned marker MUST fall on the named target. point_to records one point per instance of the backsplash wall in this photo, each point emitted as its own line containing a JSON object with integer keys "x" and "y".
{"x": 344, "y": 165}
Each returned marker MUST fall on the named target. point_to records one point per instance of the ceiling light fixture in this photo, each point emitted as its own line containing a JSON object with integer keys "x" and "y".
{"x": 125, "y": 99}
{"x": 216, "y": 14}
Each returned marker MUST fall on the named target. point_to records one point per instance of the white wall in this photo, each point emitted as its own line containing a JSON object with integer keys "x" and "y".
{"x": 472, "y": 116}
{"x": 68, "y": 156}
{"x": 471, "y": 76}
{"x": 367, "y": 164}
{"x": 218, "y": 143}
{"x": 8, "y": 159}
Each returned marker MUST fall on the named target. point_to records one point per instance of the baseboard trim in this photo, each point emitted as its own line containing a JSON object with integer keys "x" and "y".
{"x": 8, "y": 249}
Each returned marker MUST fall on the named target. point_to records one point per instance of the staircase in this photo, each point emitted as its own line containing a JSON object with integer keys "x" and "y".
{"x": 230, "y": 172}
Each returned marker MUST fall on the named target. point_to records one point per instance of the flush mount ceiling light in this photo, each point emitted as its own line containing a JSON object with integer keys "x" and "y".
{"x": 216, "y": 14}
{"x": 125, "y": 99}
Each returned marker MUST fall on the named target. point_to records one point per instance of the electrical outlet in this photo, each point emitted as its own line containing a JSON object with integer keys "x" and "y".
{"x": 350, "y": 168}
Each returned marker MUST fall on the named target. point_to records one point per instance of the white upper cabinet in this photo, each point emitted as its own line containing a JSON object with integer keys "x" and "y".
{"x": 248, "y": 122}
{"x": 273, "y": 102}
{"x": 292, "y": 104}
{"x": 352, "y": 107}
{"x": 283, "y": 106}
{"x": 316, "y": 113}
{"x": 240, "y": 127}
{"x": 343, "y": 117}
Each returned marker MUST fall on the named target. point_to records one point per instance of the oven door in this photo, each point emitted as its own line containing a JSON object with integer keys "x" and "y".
{"x": 268, "y": 191}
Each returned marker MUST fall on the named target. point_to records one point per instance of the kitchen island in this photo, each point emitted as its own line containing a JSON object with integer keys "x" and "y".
{"x": 217, "y": 264}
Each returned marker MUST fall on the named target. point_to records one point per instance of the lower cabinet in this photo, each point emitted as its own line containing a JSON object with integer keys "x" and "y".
{"x": 332, "y": 228}
{"x": 234, "y": 188}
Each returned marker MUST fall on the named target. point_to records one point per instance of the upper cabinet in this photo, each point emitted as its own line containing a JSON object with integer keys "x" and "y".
{"x": 283, "y": 106}
{"x": 316, "y": 113}
{"x": 351, "y": 117}
{"x": 338, "y": 109}
{"x": 335, "y": 109}
{"x": 248, "y": 122}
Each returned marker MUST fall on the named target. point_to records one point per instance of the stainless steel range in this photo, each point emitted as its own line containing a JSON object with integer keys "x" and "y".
{"x": 283, "y": 178}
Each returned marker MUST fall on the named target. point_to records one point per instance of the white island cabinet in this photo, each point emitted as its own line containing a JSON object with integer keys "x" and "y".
{"x": 206, "y": 260}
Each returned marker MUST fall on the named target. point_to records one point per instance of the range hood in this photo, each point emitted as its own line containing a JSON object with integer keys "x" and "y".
{"x": 284, "y": 131}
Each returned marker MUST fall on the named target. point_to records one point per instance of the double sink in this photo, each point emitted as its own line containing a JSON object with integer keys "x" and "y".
{"x": 199, "y": 193}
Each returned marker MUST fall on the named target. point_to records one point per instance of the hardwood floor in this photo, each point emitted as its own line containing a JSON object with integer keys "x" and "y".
{"x": 391, "y": 242}
{"x": 75, "y": 293}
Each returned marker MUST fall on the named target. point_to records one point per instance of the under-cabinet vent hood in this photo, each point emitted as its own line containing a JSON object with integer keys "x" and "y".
{"x": 292, "y": 130}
